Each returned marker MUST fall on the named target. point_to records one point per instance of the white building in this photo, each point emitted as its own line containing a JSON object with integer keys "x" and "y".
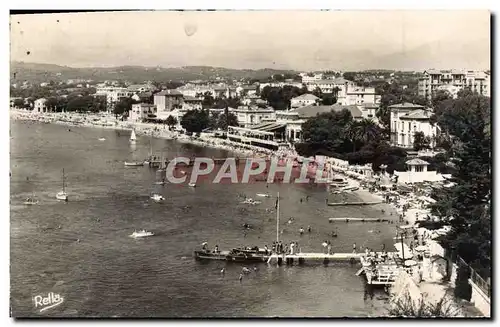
{"x": 136, "y": 88}
{"x": 358, "y": 95}
{"x": 304, "y": 100}
{"x": 142, "y": 111}
{"x": 337, "y": 86}
{"x": 406, "y": 120}
{"x": 168, "y": 100}
{"x": 250, "y": 116}
{"x": 417, "y": 172}
{"x": 306, "y": 78}
{"x": 113, "y": 94}
{"x": 476, "y": 81}
{"x": 192, "y": 103}
{"x": 40, "y": 105}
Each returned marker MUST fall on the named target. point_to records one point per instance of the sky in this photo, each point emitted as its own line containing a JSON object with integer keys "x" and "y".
{"x": 298, "y": 40}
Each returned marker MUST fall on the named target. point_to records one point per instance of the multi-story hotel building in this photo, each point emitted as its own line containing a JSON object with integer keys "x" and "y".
{"x": 434, "y": 80}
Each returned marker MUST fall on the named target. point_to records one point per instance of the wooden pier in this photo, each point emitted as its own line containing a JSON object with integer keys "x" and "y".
{"x": 363, "y": 220}
{"x": 325, "y": 258}
{"x": 360, "y": 203}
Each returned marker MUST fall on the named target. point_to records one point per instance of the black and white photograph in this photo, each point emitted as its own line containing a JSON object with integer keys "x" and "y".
{"x": 250, "y": 164}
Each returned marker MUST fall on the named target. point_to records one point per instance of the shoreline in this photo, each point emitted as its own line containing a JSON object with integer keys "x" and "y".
{"x": 107, "y": 121}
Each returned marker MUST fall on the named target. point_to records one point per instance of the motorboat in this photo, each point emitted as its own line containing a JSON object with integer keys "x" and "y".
{"x": 263, "y": 195}
{"x": 62, "y": 195}
{"x": 250, "y": 201}
{"x": 157, "y": 197}
{"x": 162, "y": 182}
{"x": 142, "y": 233}
{"x": 134, "y": 163}
{"x": 192, "y": 184}
{"x": 102, "y": 139}
{"x": 30, "y": 201}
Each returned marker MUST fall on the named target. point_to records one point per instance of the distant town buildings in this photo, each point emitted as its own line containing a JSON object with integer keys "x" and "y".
{"x": 168, "y": 100}
{"x": 113, "y": 94}
{"x": 406, "y": 120}
{"x": 304, "y": 100}
{"x": 141, "y": 111}
{"x": 433, "y": 80}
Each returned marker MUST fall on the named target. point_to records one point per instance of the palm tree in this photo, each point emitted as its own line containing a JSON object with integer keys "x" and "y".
{"x": 354, "y": 133}
{"x": 368, "y": 130}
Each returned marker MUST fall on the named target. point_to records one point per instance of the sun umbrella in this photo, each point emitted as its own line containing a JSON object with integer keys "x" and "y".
{"x": 421, "y": 248}
{"x": 410, "y": 263}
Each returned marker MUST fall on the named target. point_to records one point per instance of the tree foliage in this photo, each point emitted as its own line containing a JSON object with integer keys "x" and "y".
{"x": 421, "y": 142}
{"x": 171, "y": 121}
{"x": 195, "y": 121}
{"x": 404, "y": 306}
{"x": 227, "y": 119}
{"x": 123, "y": 106}
{"x": 279, "y": 97}
{"x": 466, "y": 119}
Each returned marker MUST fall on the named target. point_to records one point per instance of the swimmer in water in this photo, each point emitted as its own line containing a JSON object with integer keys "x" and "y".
{"x": 223, "y": 271}
{"x": 241, "y": 277}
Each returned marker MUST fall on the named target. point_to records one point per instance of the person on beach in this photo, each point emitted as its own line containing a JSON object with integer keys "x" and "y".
{"x": 241, "y": 277}
{"x": 329, "y": 247}
{"x": 354, "y": 248}
{"x": 301, "y": 231}
{"x": 309, "y": 228}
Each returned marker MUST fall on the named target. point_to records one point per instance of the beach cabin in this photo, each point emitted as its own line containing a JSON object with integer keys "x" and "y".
{"x": 417, "y": 173}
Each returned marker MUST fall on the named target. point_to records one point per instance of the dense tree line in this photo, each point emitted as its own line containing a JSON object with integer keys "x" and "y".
{"x": 466, "y": 206}
{"x": 279, "y": 97}
{"x": 337, "y": 134}
{"x": 195, "y": 121}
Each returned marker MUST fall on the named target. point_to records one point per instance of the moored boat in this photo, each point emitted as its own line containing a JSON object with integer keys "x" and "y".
{"x": 142, "y": 233}
{"x": 62, "y": 195}
{"x": 134, "y": 163}
{"x": 157, "y": 197}
{"x": 30, "y": 201}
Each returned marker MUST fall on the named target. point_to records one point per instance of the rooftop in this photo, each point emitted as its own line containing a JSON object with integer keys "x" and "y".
{"x": 169, "y": 93}
{"x": 312, "y": 111}
{"x": 417, "y": 162}
{"x": 306, "y": 96}
{"x": 406, "y": 105}
{"x": 417, "y": 114}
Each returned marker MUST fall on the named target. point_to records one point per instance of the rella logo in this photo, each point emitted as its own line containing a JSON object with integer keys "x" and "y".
{"x": 50, "y": 301}
{"x": 183, "y": 170}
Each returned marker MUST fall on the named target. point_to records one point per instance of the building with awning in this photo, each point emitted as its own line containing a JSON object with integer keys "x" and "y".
{"x": 270, "y": 136}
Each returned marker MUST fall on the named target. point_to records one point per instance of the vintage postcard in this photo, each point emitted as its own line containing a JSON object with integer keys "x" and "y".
{"x": 237, "y": 164}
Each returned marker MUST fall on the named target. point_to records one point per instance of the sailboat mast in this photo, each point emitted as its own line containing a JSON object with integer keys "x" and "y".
{"x": 63, "y": 181}
{"x": 278, "y": 218}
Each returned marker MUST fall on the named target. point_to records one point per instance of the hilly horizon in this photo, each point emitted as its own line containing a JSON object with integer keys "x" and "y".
{"x": 21, "y": 70}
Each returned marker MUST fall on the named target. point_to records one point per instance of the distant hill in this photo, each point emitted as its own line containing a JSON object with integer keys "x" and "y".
{"x": 21, "y": 71}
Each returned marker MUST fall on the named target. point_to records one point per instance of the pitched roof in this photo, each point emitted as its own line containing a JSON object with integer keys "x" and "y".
{"x": 312, "y": 111}
{"x": 370, "y": 105}
{"x": 406, "y": 105}
{"x": 169, "y": 93}
{"x": 306, "y": 96}
{"x": 417, "y": 161}
{"x": 268, "y": 126}
{"x": 355, "y": 112}
{"x": 189, "y": 98}
{"x": 417, "y": 114}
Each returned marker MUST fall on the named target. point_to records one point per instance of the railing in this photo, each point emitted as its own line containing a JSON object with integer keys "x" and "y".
{"x": 476, "y": 278}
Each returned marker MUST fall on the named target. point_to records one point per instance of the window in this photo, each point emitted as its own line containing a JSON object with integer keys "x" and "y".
{"x": 409, "y": 126}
